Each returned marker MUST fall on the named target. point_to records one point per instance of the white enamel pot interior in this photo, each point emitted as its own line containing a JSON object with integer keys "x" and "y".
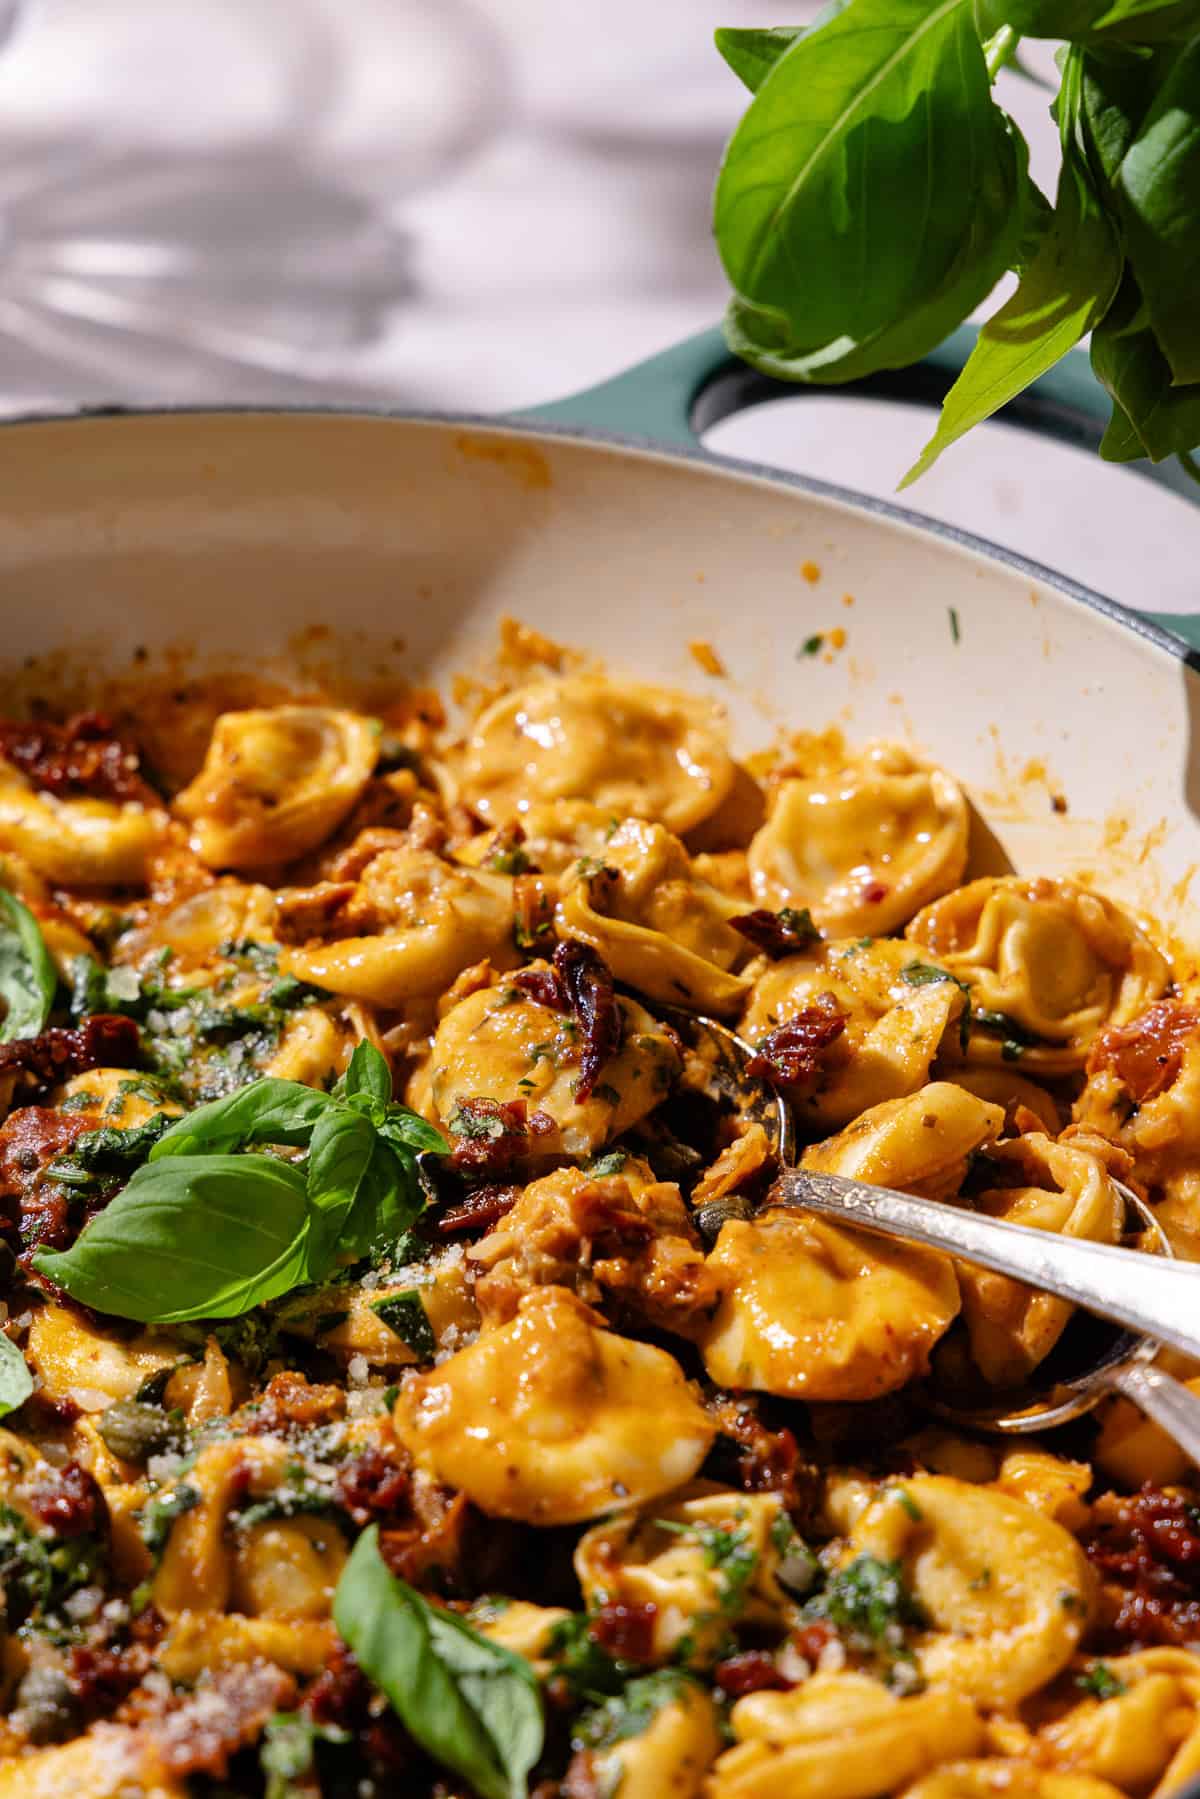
{"x": 291, "y": 542}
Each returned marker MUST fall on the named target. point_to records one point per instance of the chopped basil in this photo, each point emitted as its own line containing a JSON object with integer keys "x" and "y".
{"x": 28, "y": 977}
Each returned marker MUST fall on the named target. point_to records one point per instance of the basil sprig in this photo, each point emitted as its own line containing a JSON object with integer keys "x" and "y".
{"x": 875, "y": 191}
{"x": 16, "y": 1382}
{"x": 28, "y": 977}
{"x": 205, "y": 1230}
{"x": 470, "y": 1704}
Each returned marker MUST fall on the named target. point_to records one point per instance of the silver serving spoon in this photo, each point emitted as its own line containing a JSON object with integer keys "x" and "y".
{"x": 1147, "y": 1291}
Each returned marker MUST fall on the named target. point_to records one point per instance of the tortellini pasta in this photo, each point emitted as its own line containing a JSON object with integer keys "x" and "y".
{"x": 657, "y": 925}
{"x": 865, "y": 847}
{"x": 1064, "y": 1189}
{"x": 998, "y": 1779}
{"x": 667, "y": 1758}
{"x": 897, "y": 1015}
{"x": 625, "y": 747}
{"x": 1007, "y": 1591}
{"x": 921, "y": 1145}
{"x": 1049, "y": 965}
{"x": 276, "y": 782}
{"x": 813, "y": 1310}
{"x": 503, "y": 1045}
{"x": 78, "y": 842}
{"x": 663, "y": 1560}
{"x": 841, "y": 1736}
{"x": 432, "y": 919}
{"x": 553, "y": 1420}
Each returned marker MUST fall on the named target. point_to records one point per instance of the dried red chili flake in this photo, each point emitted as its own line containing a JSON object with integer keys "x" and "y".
{"x": 82, "y": 756}
{"x": 478, "y": 1211}
{"x": 105, "y": 1040}
{"x": 1146, "y": 1549}
{"x": 875, "y": 892}
{"x": 588, "y": 983}
{"x": 1146, "y": 1053}
{"x": 783, "y": 933}
{"x": 753, "y": 1671}
{"x": 68, "y": 1502}
{"x": 625, "y": 1631}
{"x": 373, "y": 1483}
{"x": 793, "y": 1053}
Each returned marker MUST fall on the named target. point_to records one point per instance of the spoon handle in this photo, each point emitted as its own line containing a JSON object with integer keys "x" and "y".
{"x": 1149, "y": 1294}
{"x": 1160, "y": 1396}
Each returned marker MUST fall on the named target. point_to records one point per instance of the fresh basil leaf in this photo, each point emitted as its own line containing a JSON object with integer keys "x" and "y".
{"x": 28, "y": 977}
{"x": 368, "y": 1074}
{"x": 408, "y": 1130}
{"x": 872, "y": 194}
{"x": 388, "y": 1201}
{"x": 1158, "y": 190}
{"x": 191, "y": 1237}
{"x": 405, "y": 1314}
{"x": 1068, "y": 286}
{"x": 1080, "y": 21}
{"x": 266, "y": 1111}
{"x": 343, "y": 1142}
{"x": 1148, "y": 410}
{"x": 471, "y": 1705}
{"x": 1116, "y": 93}
{"x": 16, "y": 1382}
{"x": 752, "y": 53}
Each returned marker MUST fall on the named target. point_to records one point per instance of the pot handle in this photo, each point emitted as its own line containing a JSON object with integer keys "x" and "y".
{"x": 670, "y": 398}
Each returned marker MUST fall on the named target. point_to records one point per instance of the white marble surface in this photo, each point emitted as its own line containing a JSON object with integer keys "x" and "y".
{"x": 471, "y": 204}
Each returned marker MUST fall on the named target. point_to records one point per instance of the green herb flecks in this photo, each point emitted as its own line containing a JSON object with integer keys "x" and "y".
{"x": 405, "y": 1314}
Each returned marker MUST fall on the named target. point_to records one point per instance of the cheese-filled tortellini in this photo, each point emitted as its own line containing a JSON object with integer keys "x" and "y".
{"x": 841, "y": 1736}
{"x": 996, "y": 1778}
{"x": 1063, "y": 1188}
{"x": 863, "y": 848}
{"x": 1131, "y": 1736}
{"x": 1007, "y": 1592}
{"x": 194, "y": 930}
{"x": 657, "y": 925}
{"x": 552, "y": 1419}
{"x": 501, "y": 1044}
{"x": 276, "y": 782}
{"x": 79, "y": 842}
{"x": 701, "y": 1560}
{"x": 813, "y": 1310}
{"x": 661, "y": 1744}
{"x": 428, "y": 919}
{"x": 921, "y": 1144}
{"x": 1049, "y": 965}
{"x": 626, "y": 747}
{"x": 896, "y": 1011}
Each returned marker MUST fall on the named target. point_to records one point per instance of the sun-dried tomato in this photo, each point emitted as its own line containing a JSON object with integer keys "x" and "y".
{"x": 542, "y": 986}
{"x": 810, "y": 1639}
{"x": 105, "y": 1040}
{"x": 82, "y": 756}
{"x": 488, "y": 1136}
{"x": 794, "y": 1053}
{"x": 31, "y": 1138}
{"x": 753, "y": 1671}
{"x": 1146, "y": 1053}
{"x": 100, "y": 1675}
{"x": 478, "y": 1211}
{"x": 68, "y": 1502}
{"x": 625, "y": 1631}
{"x": 373, "y": 1483}
{"x": 778, "y": 934}
{"x": 588, "y": 983}
{"x": 1146, "y": 1549}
